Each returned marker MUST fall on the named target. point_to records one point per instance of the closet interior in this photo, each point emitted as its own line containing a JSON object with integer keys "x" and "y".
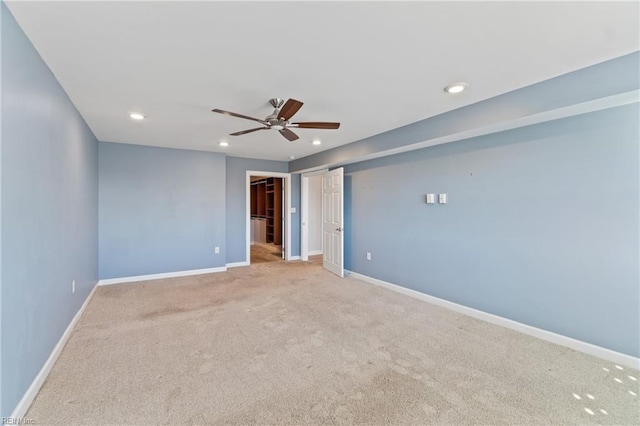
{"x": 266, "y": 218}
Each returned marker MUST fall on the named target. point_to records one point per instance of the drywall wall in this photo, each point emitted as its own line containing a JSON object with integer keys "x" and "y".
{"x": 49, "y": 212}
{"x": 314, "y": 222}
{"x": 236, "y": 201}
{"x": 541, "y": 225}
{"x": 161, "y": 210}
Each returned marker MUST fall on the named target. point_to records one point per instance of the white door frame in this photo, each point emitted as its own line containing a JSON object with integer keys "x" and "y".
{"x": 304, "y": 210}
{"x": 286, "y": 213}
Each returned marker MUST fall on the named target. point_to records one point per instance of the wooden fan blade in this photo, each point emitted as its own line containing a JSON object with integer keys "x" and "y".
{"x": 244, "y": 132}
{"x": 233, "y": 114}
{"x": 289, "y": 108}
{"x": 289, "y": 134}
{"x": 316, "y": 125}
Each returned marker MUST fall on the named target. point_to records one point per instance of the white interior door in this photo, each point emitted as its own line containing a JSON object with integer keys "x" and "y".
{"x": 333, "y": 221}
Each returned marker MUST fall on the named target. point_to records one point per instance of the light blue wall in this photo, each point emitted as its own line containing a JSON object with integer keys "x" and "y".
{"x": 49, "y": 212}
{"x": 541, "y": 225}
{"x": 161, "y": 210}
{"x": 237, "y": 201}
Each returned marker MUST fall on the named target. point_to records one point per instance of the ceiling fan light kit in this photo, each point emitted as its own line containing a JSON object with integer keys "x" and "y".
{"x": 279, "y": 119}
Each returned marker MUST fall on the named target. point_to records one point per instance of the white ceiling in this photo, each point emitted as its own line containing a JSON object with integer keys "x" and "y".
{"x": 371, "y": 66}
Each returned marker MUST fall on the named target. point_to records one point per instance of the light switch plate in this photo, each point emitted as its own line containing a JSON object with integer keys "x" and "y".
{"x": 293, "y": 209}
{"x": 442, "y": 198}
{"x": 430, "y": 198}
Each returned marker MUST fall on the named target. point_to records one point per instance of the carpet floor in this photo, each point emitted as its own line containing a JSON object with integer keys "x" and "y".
{"x": 289, "y": 343}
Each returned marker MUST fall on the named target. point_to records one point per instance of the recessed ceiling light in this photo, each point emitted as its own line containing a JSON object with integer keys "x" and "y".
{"x": 224, "y": 143}
{"x": 292, "y": 157}
{"x": 316, "y": 142}
{"x": 136, "y": 116}
{"x": 455, "y": 88}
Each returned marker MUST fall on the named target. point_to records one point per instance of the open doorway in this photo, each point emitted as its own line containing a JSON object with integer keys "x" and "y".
{"x": 311, "y": 216}
{"x": 268, "y": 229}
{"x": 267, "y": 211}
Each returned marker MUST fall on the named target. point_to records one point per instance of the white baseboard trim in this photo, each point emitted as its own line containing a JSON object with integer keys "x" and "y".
{"x": 578, "y": 345}
{"x": 237, "y": 264}
{"x": 161, "y": 276}
{"x": 314, "y": 252}
{"x": 21, "y": 409}
{"x": 294, "y": 258}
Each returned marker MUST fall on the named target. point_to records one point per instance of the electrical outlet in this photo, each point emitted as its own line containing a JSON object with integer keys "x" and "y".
{"x": 217, "y": 250}
{"x": 368, "y": 255}
{"x": 73, "y": 286}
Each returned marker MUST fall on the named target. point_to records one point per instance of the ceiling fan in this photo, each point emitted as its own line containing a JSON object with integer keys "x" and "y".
{"x": 279, "y": 119}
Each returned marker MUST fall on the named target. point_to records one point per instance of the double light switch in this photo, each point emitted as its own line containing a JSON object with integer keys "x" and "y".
{"x": 431, "y": 198}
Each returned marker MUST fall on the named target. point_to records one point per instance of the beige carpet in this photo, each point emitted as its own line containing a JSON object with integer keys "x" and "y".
{"x": 279, "y": 343}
